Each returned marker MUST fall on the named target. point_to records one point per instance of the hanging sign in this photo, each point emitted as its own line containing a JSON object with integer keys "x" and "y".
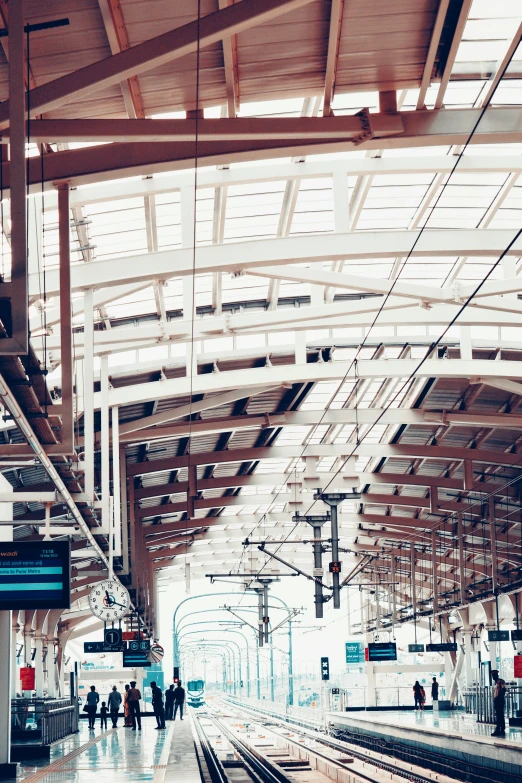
{"x": 444, "y": 647}
{"x": 516, "y": 636}
{"x": 27, "y": 678}
{"x": 382, "y": 651}
{"x": 416, "y": 648}
{"x": 517, "y": 661}
{"x": 35, "y": 574}
{"x": 498, "y": 636}
{"x": 354, "y": 652}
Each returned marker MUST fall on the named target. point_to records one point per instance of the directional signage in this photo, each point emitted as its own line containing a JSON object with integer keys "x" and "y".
{"x": 325, "y": 669}
{"x": 101, "y": 647}
{"x": 516, "y": 636}
{"x": 498, "y": 636}
{"x": 415, "y": 648}
{"x": 382, "y": 651}
{"x": 336, "y": 691}
{"x": 354, "y": 652}
{"x": 113, "y": 637}
{"x": 133, "y": 659}
{"x": 444, "y": 647}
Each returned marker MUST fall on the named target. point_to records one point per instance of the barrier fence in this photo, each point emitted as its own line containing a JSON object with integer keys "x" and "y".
{"x": 479, "y": 701}
{"x": 43, "y": 721}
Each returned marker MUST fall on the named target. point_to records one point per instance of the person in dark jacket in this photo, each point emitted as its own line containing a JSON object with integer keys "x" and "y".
{"x": 92, "y": 706}
{"x": 114, "y": 705}
{"x": 157, "y": 705}
{"x": 499, "y": 700}
{"x": 134, "y": 698}
{"x": 179, "y": 700}
{"x": 419, "y": 695}
{"x": 169, "y": 702}
{"x": 434, "y": 690}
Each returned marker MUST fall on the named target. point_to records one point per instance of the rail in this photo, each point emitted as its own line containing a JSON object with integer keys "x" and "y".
{"x": 43, "y": 721}
{"x": 479, "y": 701}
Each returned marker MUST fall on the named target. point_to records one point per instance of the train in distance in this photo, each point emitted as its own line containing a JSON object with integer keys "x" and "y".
{"x": 196, "y": 693}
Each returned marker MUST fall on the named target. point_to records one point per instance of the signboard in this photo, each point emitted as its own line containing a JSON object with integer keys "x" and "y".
{"x": 382, "y": 651}
{"x": 335, "y": 567}
{"x": 101, "y": 647}
{"x": 135, "y": 658}
{"x": 415, "y": 648}
{"x": 325, "y": 669}
{"x": 113, "y": 637}
{"x": 443, "y": 647}
{"x": 498, "y": 636}
{"x": 140, "y": 646}
{"x": 354, "y": 652}
{"x": 35, "y": 575}
{"x": 128, "y": 636}
{"x": 516, "y": 636}
{"x": 517, "y": 662}
{"x": 336, "y": 691}
{"x": 27, "y": 678}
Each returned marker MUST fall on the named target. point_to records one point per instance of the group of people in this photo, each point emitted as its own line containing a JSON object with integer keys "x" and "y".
{"x": 174, "y": 701}
{"x": 419, "y": 694}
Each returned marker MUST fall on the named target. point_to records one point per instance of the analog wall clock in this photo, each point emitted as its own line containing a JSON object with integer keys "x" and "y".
{"x": 109, "y": 600}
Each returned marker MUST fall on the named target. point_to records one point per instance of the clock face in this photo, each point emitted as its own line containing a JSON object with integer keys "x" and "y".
{"x": 109, "y": 600}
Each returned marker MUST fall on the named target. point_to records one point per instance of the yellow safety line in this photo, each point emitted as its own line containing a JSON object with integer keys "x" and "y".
{"x": 161, "y": 767}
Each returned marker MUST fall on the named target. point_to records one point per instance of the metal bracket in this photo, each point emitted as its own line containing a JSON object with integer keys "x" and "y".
{"x": 367, "y": 128}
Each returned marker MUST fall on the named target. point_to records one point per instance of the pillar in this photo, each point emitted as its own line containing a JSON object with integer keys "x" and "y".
{"x": 7, "y": 657}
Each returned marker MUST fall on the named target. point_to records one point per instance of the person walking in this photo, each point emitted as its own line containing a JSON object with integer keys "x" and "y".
{"x": 179, "y": 700}
{"x": 134, "y": 698}
{"x": 157, "y": 705}
{"x": 419, "y": 695}
{"x": 499, "y": 700}
{"x": 114, "y": 705}
{"x": 103, "y": 716}
{"x": 434, "y": 690}
{"x": 169, "y": 702}
{"x": 92, "y": 705}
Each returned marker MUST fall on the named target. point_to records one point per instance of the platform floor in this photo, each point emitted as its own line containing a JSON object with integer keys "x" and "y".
{"x": 453, "y": 722}
{"x": 119, "y": 756}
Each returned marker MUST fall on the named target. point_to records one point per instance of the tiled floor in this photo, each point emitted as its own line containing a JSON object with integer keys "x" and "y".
{"x": 454, "y": 722}
{"x": 119, "y": 756}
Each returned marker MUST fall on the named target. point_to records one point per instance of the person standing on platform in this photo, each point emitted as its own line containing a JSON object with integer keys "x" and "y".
{"x": 419, "y": 695}
{"x": 126, "y": 708}
{"x": 169, "y": 702}
{"x": 114, "y": 705}
{"x": 103, "y": 716}
{"x": 179, "y": 700}
{"x": 434, "y": 690}
{"x": 499, "y": 700}
{"x": 134, "y": 698}
{"x": 157, "y": 706}
{"x": 92, "y": 706}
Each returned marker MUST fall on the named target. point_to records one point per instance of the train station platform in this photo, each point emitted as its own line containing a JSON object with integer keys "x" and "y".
{"x": 119, "y": 755}
{"x": 452, "y": 737}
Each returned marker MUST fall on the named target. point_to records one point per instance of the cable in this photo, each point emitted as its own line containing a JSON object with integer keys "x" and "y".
{"x": 388, "y": 294}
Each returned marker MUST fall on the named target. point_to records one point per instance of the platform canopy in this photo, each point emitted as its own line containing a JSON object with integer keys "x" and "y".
{"x": 295, "y": 263}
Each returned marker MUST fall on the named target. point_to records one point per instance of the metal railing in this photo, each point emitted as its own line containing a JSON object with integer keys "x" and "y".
{"x": 479, "y": 701}
{"x": 43, "y": 721}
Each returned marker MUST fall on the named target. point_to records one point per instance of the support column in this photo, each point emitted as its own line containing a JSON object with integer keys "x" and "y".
{"x": 105, "y": 475}
{"x": 88, "y": 391}
{"x": 116, "y": 488}
{"x": 7, "y": 658}
{"x": 64, "y": 229}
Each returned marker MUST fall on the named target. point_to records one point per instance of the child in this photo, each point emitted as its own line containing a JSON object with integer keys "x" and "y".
{"x": 103, "y": 715}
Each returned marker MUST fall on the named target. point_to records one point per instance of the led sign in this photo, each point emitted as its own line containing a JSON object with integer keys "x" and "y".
{"x": 35, "y": 575}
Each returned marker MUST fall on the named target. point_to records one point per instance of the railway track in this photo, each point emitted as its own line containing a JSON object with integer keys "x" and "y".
{"x": 283, "y": 758}
{"x": 443, "y": 769}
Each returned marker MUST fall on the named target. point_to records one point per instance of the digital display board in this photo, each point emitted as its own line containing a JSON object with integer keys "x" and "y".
{"x": 35, "y": 575}
{"x": 135, "y": 658}
{"x": 382, "y": 651}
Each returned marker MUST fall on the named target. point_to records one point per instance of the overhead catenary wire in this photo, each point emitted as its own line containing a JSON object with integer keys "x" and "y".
{"x": 434, "y": 344}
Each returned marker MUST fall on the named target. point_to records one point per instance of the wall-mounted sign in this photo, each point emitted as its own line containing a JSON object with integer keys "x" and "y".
{"x": 517, "y": 661}
{"x": 35, "y": 575}
{"x": 498, "y": 636}
{"x": 415, "y": 648}
{"x": 516, "y": 636}
{"x": 354, "y": 652}
{"x": 382, "y": 651}
{"x": 27, "y": 678}
{"x": 443, "y": 647}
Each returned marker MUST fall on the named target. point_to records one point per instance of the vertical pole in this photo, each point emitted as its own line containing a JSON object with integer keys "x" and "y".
{"x": 434, "y": 571}
{"x": 335, "y": 557}
{"x": 105, "y": 474}
{"x": 460, "y": 535}
{"x": 124, "y": 518}
{"x": 394, "y": 595}
{"x": 7, "y": 660}
{"x": 493, "y": 544}
{"x": 272, "y": 685}
{"x": 318, "y": 567}
{"x": 348, "y": 612}
{"x": 116, "y": 480}
{"x": 17, "y": 175}
{"x": 258, "y": 673}
{"x": 265, "y": 612}
{"x": 247, "y": 669}
{"x": 65, "y": 316}
{"x": 88, "y": 391}
{"x": 290, "y": 666}
{"x": 413, "y": 588}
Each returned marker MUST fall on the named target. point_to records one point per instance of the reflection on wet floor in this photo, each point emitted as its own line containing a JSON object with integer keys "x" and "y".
{"x": 116, "y": 755}
{"x": 454, "y": 722}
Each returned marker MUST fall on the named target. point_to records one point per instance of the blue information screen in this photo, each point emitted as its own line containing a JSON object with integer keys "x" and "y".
{"x": 35, "y": 575}
{"x": 383, "y": 651}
